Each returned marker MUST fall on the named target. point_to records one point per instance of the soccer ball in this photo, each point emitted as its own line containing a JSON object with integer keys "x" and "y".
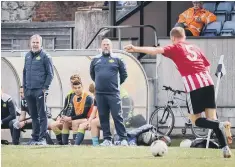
{"x": 158, "y": 148}
{"x": 186, "y": 143}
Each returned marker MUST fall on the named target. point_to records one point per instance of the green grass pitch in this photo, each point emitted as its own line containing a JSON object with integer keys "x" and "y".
{"x": 87, "y": 156}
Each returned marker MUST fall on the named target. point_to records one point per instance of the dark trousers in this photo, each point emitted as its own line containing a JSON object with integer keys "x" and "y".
{"x": 7, "y": 126}
{"x": 36, "y": 103}
{"x": 16, "y": 132}
{"x": 105, "y": 104}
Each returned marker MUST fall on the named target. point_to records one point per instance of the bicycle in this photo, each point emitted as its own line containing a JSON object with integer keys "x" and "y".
{"x": 163, "y": 118}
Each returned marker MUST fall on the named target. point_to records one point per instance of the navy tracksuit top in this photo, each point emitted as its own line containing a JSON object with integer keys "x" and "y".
{"x": 108, "y": 73}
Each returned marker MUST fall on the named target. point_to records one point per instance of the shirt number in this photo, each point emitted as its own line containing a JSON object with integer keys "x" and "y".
{"x": 192, "y": 55}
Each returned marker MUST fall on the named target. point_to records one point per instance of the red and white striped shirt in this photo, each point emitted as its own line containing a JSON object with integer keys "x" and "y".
{"x": 192, "y": 65}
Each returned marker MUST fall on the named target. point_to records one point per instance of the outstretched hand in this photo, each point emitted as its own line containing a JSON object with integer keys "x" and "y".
{"x": 129, "y": 48}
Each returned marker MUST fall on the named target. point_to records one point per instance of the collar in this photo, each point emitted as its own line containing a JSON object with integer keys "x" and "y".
{"x": 36, "y": 53}
{"x": 81, "y": 95}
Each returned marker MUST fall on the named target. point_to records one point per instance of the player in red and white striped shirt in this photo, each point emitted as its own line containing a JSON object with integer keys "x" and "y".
{"x": 194, "y": 69}
{"x": 192, "y": 64}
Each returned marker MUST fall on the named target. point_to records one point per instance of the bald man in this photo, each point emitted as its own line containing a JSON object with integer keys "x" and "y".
{"x": 37, "y": 77}
{"x": 108, "y": 71}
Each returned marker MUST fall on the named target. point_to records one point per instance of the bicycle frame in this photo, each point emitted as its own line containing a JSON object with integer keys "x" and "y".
{"x": 173, "y": 101}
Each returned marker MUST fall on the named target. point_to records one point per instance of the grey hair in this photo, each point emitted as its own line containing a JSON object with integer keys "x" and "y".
{"x": 36, "y": 35}
{"x": 110, "y": 42}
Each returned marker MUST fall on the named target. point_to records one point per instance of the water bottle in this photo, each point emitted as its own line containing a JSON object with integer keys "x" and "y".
{"x": 16, "y": 125}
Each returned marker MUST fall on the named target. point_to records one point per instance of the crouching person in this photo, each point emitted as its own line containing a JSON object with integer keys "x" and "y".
{"x": 82, "y": 104}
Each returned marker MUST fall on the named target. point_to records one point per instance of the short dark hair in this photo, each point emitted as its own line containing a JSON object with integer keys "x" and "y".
{"x": 21, "y": 86}
{"x": 77, "y": 82}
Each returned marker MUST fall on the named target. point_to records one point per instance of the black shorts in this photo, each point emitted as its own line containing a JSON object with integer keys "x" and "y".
{"x": 200, "y": 99}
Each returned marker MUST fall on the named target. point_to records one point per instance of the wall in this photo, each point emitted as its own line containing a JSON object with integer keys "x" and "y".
{"x": 58, "y": 11}
{"x": 41, "y": 11}
{"x": 131, "y": 32}
{"x": 18, "y": 11}
{"x": 59, "y": 35}
{"x": 155, "y": 14}
{"x": 56, "y": 35}
{"x": 178, "y": 7}
{"x": 87, "y": 23}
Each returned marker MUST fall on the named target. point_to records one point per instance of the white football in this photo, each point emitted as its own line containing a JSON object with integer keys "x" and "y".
{"x": 158, "y": 148}
{"x": 186, "y": 143}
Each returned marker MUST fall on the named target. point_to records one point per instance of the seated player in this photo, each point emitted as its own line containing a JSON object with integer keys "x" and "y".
{"x": 56, "y": 125}
{"x": 8, "y": 111}
{"x": 82, "y": 104}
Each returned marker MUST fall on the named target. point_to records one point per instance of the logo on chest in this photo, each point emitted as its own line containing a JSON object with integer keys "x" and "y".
{"x": 38, "y": 58}
{"x": 111, "y": 61}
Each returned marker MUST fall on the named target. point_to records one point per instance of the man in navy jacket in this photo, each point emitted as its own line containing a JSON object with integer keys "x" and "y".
{"x": 108, "y": 71}
{"x": 37, "y": 77}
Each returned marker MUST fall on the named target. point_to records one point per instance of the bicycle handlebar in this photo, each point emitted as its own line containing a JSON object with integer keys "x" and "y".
{"x": 172, "y": 90}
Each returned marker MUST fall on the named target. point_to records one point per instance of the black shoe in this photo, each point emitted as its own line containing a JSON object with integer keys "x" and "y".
{"x": 5, "y": 142}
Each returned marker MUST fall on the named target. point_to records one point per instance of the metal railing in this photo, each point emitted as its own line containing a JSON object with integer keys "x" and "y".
{"x": 119, "y": 32}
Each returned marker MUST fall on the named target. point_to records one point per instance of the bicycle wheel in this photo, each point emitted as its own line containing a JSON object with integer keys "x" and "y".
{"x": 199, "y": 132}
{"x": 163, "y": 120}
